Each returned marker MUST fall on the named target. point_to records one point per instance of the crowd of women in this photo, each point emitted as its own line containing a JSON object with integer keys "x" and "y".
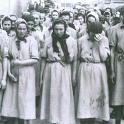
{"x": 69, "y": 63}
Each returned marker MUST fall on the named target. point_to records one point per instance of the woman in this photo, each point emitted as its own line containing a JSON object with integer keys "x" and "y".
{"x": 91, "y": 17}
{"x": 93, "y": 99}
{"x": 41, "y": 33}
{"x": 32, "y": 32}
{"x": 117, "y": 68}
{"x": 7, "y": 26}
{"x": 54, "y": 16}
{"x": 58, "y": 74}
{"x": 19, "y": 96}
{"x": 3, "y": 70}
{"x": 82, "y": 25}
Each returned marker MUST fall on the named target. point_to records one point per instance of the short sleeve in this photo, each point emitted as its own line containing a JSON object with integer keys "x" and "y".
{"x": 106, "y": 44}
{"x": 34, "y": 49}
{"x": 4, "y": 47}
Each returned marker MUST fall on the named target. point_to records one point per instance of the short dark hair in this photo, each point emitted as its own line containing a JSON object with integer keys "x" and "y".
{"x": 28, "y": 18}
{"x": 80, "y": 14}
{"x": 65, "y": 13}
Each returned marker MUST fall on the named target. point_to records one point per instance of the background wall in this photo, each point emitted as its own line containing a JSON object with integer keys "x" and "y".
{"x": 8, "y": 7}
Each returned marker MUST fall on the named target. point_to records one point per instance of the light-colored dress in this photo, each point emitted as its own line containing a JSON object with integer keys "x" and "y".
{"x": 93, "y": 101}
{"x": 19, "y": 97}
{"x": 57, "y": 102}
{"x": 3, "y": 53}
{"x": 117, "y": 41}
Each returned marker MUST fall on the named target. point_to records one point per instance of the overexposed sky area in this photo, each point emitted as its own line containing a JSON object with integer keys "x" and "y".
{"x": 73, "y": 1}
{"x": 77, "y": 0}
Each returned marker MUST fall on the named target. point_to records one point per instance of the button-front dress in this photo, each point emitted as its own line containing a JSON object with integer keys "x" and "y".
{"x": 93, "y": 101}
{"x": 19, "y": 96}
{"x": 57, "y": 102}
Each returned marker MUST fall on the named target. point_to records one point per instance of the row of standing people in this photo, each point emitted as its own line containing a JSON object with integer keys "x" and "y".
{"x": 71, "y": 72}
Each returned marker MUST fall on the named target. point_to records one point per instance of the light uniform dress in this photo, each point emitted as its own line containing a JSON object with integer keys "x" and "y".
{"x": 3, "y": 53}
{"x": 93, "y": 101}
{"x": 57, "y": 102}
{"x": 117, "y": 41}
{"x": 19, "y": 97}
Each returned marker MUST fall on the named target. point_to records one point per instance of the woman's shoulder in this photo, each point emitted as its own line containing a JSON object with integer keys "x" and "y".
{"x": 83, "y": 38}
{"x": 30, "y": 38}
{"x": 70, "y": 40}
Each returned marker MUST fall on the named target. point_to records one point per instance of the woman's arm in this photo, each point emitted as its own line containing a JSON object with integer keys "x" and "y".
{"x": 4, "y": 65}
{"x": 11, "y": 76}
{"x": 18, "y": 62}
{"x": 103, "y": 46}
{"x": 4, "y": 76}
{"x": 43, "y": 64}
{"x": 112, "y": 62}
{"x": 104, "y": 52}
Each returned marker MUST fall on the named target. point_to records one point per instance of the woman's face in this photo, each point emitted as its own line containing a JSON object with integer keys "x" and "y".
{"x": 30, "y": 25}
{"x": 36, "y": 19}
{"x": 42, "y": 19}
{"x": 81, "y": 19}
{"x": 59, "y": 30}
{"x": 55, "y": 15}
{"x": 7, "y": 25}
{"x": 21, "y": 30}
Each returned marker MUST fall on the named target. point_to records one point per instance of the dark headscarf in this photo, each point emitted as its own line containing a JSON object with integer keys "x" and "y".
{"x": 95, "y": 27}
{"x": 61, "y": 40}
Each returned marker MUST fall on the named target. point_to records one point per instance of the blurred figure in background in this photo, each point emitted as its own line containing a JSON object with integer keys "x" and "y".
{"x": 66, "y": 17}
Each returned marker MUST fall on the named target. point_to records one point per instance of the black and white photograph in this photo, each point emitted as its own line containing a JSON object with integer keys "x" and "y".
{"x": 61, "y": 61}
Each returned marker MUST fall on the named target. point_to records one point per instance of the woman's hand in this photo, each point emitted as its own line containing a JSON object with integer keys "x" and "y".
{"x": 112, "y": 77}
{"x": 12, "y": 77}
{"x": 98, "y": 38}
{"x": 3, "y": 84}
{"x": 15, "y": 62}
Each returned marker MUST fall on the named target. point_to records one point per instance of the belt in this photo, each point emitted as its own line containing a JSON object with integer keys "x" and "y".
{"x": 61, "y": 62}
{"x": 86, "y": 61}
